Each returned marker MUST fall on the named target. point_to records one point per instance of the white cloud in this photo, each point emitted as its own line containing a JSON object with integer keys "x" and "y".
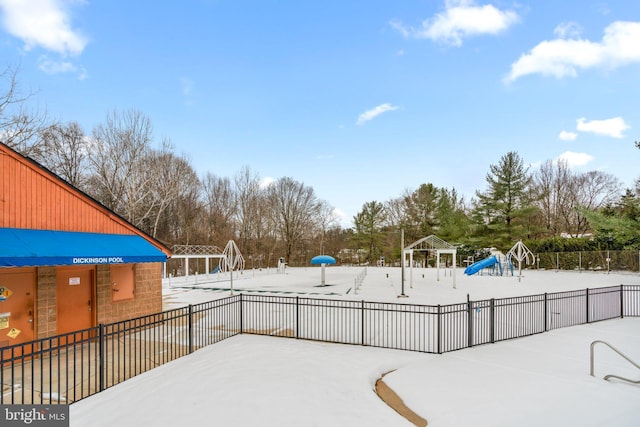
{"x": 266, "y": 181}
{"x": 565, "y": 57}
{"x": 43, "y": 23}
{"x": 568, "y": 29}
{"x": 50, "y": 66}
{"x": 609, "y": 127}
{"x": 567, "y": 136}
{"x": 460, "y": 19}
{"x": 375, "y": 112}
{"x": 575, "y": 159}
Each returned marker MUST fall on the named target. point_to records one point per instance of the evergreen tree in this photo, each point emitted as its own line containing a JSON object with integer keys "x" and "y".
{"x": 421, "y": 211}
{"x": 368, "y": 224}
{"x": 504, "y": 209}
{"x": 620, "y": 224}
{"x": 452, "y": 219}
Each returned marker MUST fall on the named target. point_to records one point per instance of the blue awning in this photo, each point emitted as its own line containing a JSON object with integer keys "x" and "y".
{"x": 33, "y": 248}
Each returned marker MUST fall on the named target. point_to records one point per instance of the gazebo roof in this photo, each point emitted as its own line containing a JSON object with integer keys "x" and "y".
{"x": 430, "y": 242}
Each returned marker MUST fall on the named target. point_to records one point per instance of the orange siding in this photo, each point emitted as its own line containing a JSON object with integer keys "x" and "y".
{"x": 31, "y": 197}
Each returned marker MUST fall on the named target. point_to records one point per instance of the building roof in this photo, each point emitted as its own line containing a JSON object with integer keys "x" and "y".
{"x": 33, "y": 197}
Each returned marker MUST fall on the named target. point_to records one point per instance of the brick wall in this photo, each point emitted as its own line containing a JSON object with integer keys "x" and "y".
{"x": 46, "y": 302}
{"x": 147, "y": 299}
{"x": 147, "y": 295}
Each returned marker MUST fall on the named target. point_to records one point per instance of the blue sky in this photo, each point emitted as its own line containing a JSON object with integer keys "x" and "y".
{"x": 360, "y": 100}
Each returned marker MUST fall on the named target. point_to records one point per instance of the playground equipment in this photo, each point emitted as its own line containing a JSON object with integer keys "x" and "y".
{"x": 521, "y": 253}
{"x": 499, "y": 263}
{"x": 232, "y": 259}
{"x": 477, "y": 266}
{"x": 282, "y": 265}
{"x": 322, "y": 260}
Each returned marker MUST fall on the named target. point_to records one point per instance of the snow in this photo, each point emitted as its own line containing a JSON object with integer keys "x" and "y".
{"x": 251, "y": 380}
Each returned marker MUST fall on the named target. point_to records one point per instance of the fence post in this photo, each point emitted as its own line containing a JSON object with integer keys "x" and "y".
{"x": 469, "y": 323}
{"x": 190, "y": 328}
{"x": 241, "y": 316}
{"x": 622, "y": 301}
{"x": 587, "y": 291}
{"x": 546, "y": 312}
{"x": 102, "y": 365}
{"x": 580, "y": 262}
{"x": 439, "y": 329}
{"x": 492, "y": 324}
{"x": 362, "y": 323}
{"x": 297, "y": 317}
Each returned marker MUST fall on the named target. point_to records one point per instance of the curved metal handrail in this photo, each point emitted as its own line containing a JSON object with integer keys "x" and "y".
{"x": 606, "y": 377}
{"x": 621, "y": 378}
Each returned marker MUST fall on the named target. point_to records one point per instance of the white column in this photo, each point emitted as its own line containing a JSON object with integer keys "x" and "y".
{"x": 454, "y": 269}
{"x": 411, "y": 268}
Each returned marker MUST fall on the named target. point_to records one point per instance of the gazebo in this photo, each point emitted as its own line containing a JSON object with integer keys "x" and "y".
{"x": 428, "y": 244}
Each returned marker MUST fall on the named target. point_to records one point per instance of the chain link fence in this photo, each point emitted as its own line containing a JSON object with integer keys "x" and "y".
{"x": 589, "y": 260}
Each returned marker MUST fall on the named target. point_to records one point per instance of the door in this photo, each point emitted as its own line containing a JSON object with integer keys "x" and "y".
{"x": 17, "y": 292}
{"x": 74, "y": 296}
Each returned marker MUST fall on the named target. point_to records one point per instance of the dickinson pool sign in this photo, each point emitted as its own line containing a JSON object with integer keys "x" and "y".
{"x": 99, "y": 260}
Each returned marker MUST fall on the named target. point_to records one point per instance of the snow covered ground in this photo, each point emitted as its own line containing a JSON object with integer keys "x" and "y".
{"x": 257, "y": 380}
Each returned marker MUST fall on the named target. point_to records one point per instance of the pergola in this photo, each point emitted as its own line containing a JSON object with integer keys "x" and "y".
{"x": 229, "y": 259}
{"x": 187, "y": 252}
{"x": 429, "y": 244}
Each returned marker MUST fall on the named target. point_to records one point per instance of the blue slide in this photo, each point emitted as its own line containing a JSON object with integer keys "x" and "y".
{"x": 477, "y": 266}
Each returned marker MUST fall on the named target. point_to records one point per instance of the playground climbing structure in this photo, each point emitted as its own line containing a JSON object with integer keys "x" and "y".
{"x": 520, "y": 253}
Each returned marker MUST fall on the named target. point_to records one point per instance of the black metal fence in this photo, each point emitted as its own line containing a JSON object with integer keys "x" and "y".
{"x": 69, "y": 367}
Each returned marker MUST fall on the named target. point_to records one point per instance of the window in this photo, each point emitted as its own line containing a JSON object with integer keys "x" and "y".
{"x": 122, "y": 282}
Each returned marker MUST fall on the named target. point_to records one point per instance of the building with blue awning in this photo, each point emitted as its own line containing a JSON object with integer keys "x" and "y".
{"x": 66, "y": 261}
{"x": 37, "y": 248}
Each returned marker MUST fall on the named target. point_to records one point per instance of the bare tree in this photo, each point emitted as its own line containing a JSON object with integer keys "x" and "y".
{"x": 186, "y": 212}
{"x": 554, "y": 184}
{"x": 166, "y": 177}
{"x": 294, "y": 207}
{"x": 396, "y": 211}
{"x": 220, "y": 207}
{"x": 65, "y": 152}
{"x": 594, "y": 190}
{"x": 326, "y": 219}
{"x": 20, "y": 128}
{"x": 121, "y": 147}
{"x": 560, "y": 193}
{"x": 250, "y": 208}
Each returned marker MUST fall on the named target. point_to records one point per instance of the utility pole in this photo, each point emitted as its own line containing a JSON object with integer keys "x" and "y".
{"x": 402, "y": 294}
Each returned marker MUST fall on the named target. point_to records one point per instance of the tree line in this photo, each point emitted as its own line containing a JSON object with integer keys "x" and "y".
{"x": 121, "y": 164}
